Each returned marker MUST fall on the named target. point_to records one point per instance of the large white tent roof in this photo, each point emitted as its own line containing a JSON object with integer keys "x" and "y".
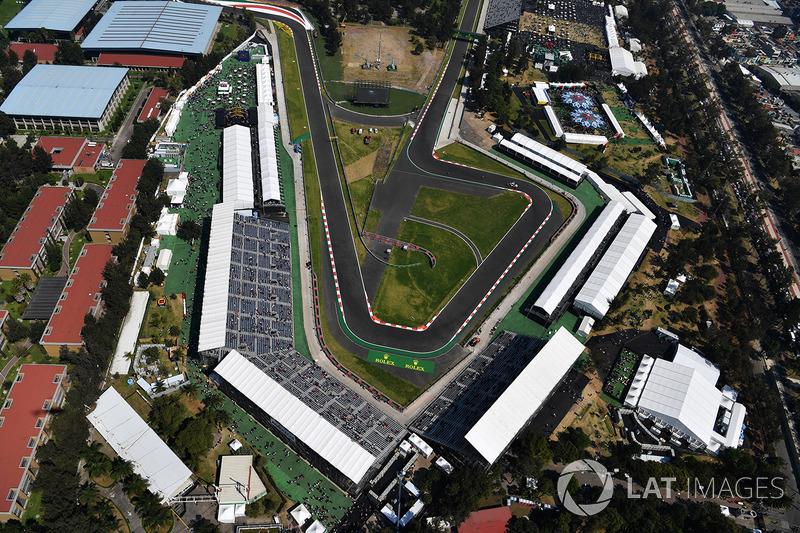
{"x": 317, "y": 433}
{"x": 611, "y": 273}
{"x": 687, "y": 357}
{"x": 238, "y": 480}
{"x": 237, "y": 167}
{"x": 300, "y": 514}
{"x": 557, "y": 289}
{"x": 270, "y": 180}
{"x": 566, "y": 167}
{"x": 623, "y": 64}
{"x": 681, "y": 396}
{"x": 133, "y": 440}
{"x": 218, "y": 267}
{"x": 509, "y": 414}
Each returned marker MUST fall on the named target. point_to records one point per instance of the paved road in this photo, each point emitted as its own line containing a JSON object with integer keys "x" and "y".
{"x": 126, "y": 130}
{"x": 117, "y": 495}
{"x": 416, "y": 163}
{"x": 65, "y": 267}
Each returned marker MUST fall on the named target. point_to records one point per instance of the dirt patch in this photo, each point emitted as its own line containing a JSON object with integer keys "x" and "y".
{"x": 383, "y": 156}
{"x": 361, "y": 43}
{"x": 361, "y": 168}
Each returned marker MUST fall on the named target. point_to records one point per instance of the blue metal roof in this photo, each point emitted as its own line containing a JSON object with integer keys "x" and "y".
{"x": 148, "y": 25}
{"x": 64, "y": 91}
{"x": 56, "y": 15}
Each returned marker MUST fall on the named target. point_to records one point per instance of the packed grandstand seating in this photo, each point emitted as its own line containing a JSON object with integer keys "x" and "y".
{"x": 260, "y": 287}
{"x": 331, "y": 399}
{"x": 470, "y": 394}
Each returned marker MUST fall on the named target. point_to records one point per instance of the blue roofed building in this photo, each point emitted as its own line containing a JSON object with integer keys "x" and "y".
{"x": 54, "y": 15}
{"x": 67, "y": 97}
{"x": 154, "y": 26}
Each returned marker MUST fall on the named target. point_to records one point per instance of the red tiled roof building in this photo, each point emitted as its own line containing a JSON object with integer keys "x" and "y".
{"x": 112, "y": 217}
{"x": 77, "y": 154}
{"x": 24, "y": 425}
{"x": 41, "y": 223}
{"x": 81, "y": 296}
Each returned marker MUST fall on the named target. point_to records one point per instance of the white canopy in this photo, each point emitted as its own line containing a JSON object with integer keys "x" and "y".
{"x": 133, "y": 440}
{"x": 300, "y": 514}
{"x": 167, "y": 223}
{"x": 509, "y": 414}
{"x": 299, "y": 419}
{"x": 237, "y": 167}
{"x": 238, "y": 481}
{"x": 619, "y": 260}
{"x": 215, "y": 292}
{"x": 164, "y": 259}
{"x": 316, "y": 527}
{"x": 556, "y": 291}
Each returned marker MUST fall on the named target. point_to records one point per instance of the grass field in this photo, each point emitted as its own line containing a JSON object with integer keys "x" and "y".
{"x": 400, "y": 101}
{"x": 618, "y": 380}
{"x": 8, "y": 10}
{"x": 352, "y": 145}
{"x": 458, "y": 153}
{"x": 412, "y": 296}
{"x": 484, "y": 220}
{"x": 298, "y": 117}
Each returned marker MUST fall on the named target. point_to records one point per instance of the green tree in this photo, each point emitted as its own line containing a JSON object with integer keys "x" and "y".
{"x": 194, "y": 441}
{"x": 189, "y": 230}
{"x": 167, "y": 415}
{"x": 68, "y": 53}
{"x": 156, "y": 276}
{"x": 29, "y": 61}
{"x": 54, "y": 256}
{"x": 120, "y": 468}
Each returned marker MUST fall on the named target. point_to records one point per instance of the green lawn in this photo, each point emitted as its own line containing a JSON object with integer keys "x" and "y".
{"x": 101, "y": 178}
{"x": 400, "y": 100}
{"x": 32, "y": 510}
{"x": 458, "y": 153}
{"x": 76, "y": 245}
{"x": 8, "y": 10}
{"x": 330, "y": 66}
{"x": 411, "y": 296}
{"x": 484, "y": 220}
{"x": 298, "y": 117}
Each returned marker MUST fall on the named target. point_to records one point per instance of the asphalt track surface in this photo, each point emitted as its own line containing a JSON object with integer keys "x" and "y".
{"x": 415, "y": 166}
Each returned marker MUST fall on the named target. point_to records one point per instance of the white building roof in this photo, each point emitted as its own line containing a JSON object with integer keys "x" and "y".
{"x": 133, "y": 440}
{"x": 268, "y": 157}
{"x": 164, "y": 259}
{"x": 237, "y": 167}
{"x": 623, "y": 64}
{"x": 611, "y": 273}
{"x": 316, "y": 527}
{"x": 264, "y": 84}
{"x": 612, "y": 119}
{"x": 688, "y": 357}
{"x": 218, "y": 267}
{"x": 317, "y": 433}
{"x": 238, "y": 480}
{"x": 786, "y": 77}
{"x": 509, "y": 414}
{"x": 638, "y": 205}
{"x": 682, "y": 397}
{"x": 552, "y": 119}
{"x": 300, "y": 514}
{"x": 559, "y": 286}
{"x": 423, "y": 447}
{"x": 585, "y": 138}
{"x": 565, "y": 167}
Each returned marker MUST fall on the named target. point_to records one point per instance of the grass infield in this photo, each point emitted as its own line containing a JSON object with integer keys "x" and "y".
{"x": 483, "y": 220}
{"x": 412, "y": 296}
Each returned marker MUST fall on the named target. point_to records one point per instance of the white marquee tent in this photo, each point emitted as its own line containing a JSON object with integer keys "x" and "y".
{"x": 215, "y": 291}
{"x": 300, "y": 514}
{"x": 237, "y": 167}
{"x": 509, "y": 414}
{"x": 565, "y": 278}
{"x": 133, "y": 440}
{"x": 611, "y": 273}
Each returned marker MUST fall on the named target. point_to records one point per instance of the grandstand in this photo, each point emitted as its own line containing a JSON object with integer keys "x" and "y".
{"x": 611, "y": 273}
{"x": 247, "y": 301}
{"x": 524, "y": 397}
{"x": 552, "y": 302}
{"x": 338, "y": 431}
{"x": 546, "y": 159}
{"x": 448, "y": 418}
